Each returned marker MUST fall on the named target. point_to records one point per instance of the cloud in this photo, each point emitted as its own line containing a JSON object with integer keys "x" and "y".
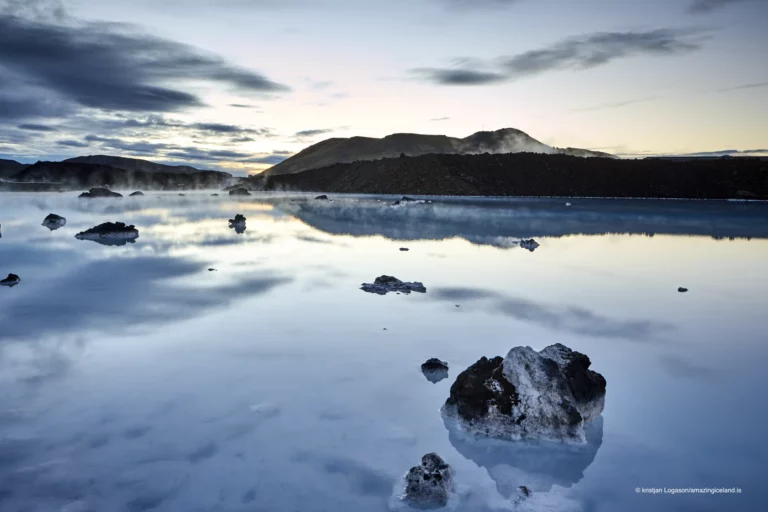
{"x": 37, "y": 127}
{"x": 72, "y": 143}
{"x": 479, "y": 4}
{"x": 725, "y": 152}
{"x": 570, "y": 318}
{"x": 114, "y": 66}
{"x": 238, "y": 140}
{"x": 745, "y": 86}
{"x": 440, "y": 119}
{"x": 311, "y": 133}
{"x": 145, "y": 148}
{"x": 615, "y": 104}
{"x": 273, "y": 159}
{"x": 242, "y": 105}
{"x": 578, "y": 53}
{"x": 705, "y": 6}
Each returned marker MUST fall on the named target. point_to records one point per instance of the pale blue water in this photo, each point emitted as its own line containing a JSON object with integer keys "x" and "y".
{"x": 132, "y": 378}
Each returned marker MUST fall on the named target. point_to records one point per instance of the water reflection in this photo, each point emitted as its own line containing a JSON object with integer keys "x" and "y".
{"x": 537, "y": 465}
{"x": 503, "y": 223}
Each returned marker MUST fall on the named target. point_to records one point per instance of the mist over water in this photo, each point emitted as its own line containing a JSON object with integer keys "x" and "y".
{"x": 134, "y": 378}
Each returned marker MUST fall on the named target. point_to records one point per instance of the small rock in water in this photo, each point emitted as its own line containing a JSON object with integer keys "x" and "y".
{"x": 54, "y": 222}
{"x": 548, "y": 394}
{"x": 100, "y": 192}
{"x": 135, "y": 194}
{"x": 529, "y": 244}
{"x": 385, "y": 284}
{"x": 322, "y": 198}
{"x": 212, "y": 270}
{"x": 403, "y": 248}
{"x": 682, "y": 290}
{"x": 457, "y": 306}
{"x": 110, "y": 233}
{"x": 238, "y": 224}
{"x": 435, "y": 370}
{"x": 181, "y": 194}
{"x": 430, "y": 484}
{"x": 10, "y": 281}
{"x": 214, "y": 195}
{"x": 239, "y": 192}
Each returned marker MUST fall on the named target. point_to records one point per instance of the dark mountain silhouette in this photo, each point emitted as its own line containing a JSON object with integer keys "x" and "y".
{"x": 531, "y": 174}
{"x": 345, "y": 150}
{"x": 76, "y": 175}
{"x": 133, "y": 164}
{"x": 9, "y": 167}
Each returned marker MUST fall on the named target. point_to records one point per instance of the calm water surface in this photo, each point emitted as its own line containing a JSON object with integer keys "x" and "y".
{"x": 134, "y": 379}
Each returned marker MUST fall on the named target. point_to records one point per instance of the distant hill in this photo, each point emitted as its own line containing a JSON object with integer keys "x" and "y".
{"x": 9, "y": 167}
{"x": 69, "y": 174}
{"x": 133, "y": 164}
{"x": 532, "y": 174}
{"x": 344, "y": 150}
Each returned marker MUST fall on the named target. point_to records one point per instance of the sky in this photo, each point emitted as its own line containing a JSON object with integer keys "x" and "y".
{"x": 239, "y": 85}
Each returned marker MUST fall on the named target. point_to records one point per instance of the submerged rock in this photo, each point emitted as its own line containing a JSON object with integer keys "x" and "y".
{"x": 110, "y": 233}
{"x": 214, "y": 195}
{"x": 54, "y": 222}
{"x": 322, "y": 198}
{"x": 406, "y": 199}
{"x": 239, "y": 192}
{"x": 542, "y": 395}
{"x": 137, "y": 193}
{"x": 181, "y": 194}
{"x": 10, "y": 281}
{"x": 682, "y": 290}
{"x": 100, "y": 192}
{"x": 385, "y": 284}
{"x": 404, "y": 249}
{"x": 238, "y": 224}
{"x": 435, "y": 370}
{"x": 430, "y": 484}
{"x": 529, "y": 244}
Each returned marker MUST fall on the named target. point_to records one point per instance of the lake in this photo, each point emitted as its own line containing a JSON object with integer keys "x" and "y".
{"x": 133, "y": 378}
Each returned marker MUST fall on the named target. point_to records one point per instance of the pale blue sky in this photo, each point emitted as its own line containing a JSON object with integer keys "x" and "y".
{"x": 625, "y": 76}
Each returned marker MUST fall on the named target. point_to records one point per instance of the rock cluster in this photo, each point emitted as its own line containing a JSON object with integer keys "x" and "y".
{"x": 239, "y": 192}
{"x": 429, "y": 485}
{"x": 238, "y": 223}
{"x": 100, "y": 192}
{"x": 110, "y": 233}
{"x": 385, "y": 284}
{"x": 527, "y": 394}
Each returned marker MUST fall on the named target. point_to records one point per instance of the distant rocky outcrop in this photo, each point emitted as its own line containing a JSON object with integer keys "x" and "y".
{"x": 8, "y": 168}
{"x": 401, "y": 145}
{"x": 110, "y": 233}
{"x": 430, "y": 484}
{"x": 134, "y": 164}
{"x": 54, "y": 222}
{"x": 100, "y": 192}
{"x": 10, "y": 281}
{"x": 135, "y": 194}
{"x": 549, "y": 394}
{"x": 531, "y": 174}
{"x": 385, "y": 284}
{"x": 240, "y": 191}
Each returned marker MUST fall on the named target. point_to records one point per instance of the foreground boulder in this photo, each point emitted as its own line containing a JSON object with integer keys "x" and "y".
{"x": 100, "y": 192}
{"x": 54, "y": 222}
{"x": 10, "y": 281}
{"x": 385, "y": 284}
{"x": 110, "y": 233}
{"x": 430, "y": 484}
{"x": 542, "y": 395}
{"x": 529, "y": 244}
{"x": 239, "y": 192}
{"x": 137, "y": 193}
{"x": 435, "y": 370}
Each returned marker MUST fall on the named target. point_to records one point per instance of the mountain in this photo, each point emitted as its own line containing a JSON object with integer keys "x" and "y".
{"x": 9, "y": 167}
{"x": 345, "y": 150}
{"x": 532, "y": 174}
{"x": 133, "y": 164}
{"x": 78, "y": 175}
